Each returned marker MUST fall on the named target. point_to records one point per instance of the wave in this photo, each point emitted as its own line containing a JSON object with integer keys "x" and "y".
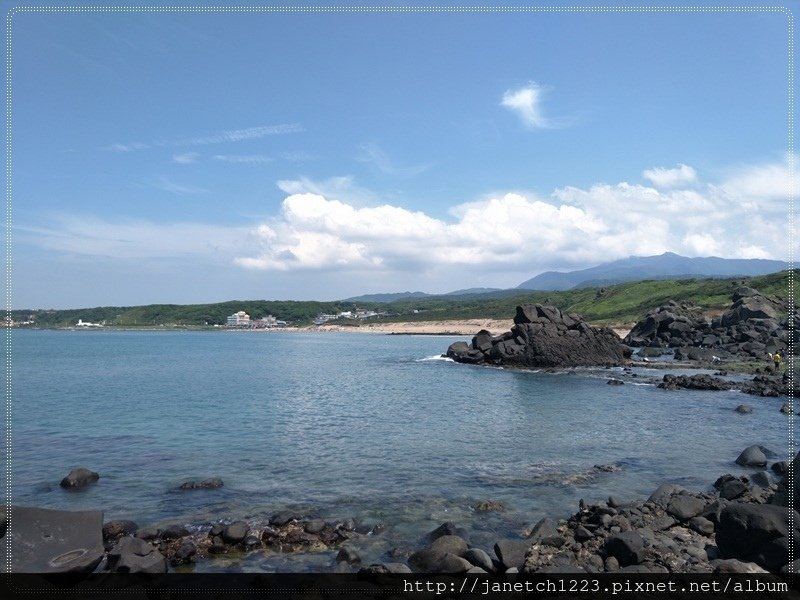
{"x": 435, "y": 357}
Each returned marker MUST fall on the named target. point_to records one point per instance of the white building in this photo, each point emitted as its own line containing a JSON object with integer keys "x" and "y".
{"x": 239, "y": 319}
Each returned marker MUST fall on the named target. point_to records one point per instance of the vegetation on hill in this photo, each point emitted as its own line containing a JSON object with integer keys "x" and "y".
{"x": 623, "y": 303}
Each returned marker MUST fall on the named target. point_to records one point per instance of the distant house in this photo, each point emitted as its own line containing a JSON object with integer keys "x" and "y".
{"x": 82, "y": 323}
{"x": 265, "y": 322}
{"x": 239, "y": 319}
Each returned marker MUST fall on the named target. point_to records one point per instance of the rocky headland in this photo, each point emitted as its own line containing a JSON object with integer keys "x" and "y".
{"x": 750, "y": 328}
{"x": 543, "y": 336}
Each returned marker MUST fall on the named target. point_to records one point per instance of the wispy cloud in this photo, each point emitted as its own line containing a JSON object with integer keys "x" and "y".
{"x": 253, "y": 159}
{"x": 136, "y": 239}
{"x": 127, "y": 147}
{"x": 666, "y": 178}
{"x": 175, "y": 188}
{"x": 186, "y": 158}
{"x": 238, "y": 135}
{"x": 526, "y": 102}
{"x": 298, "y": 156}
{"x": 232, "y": 135}
{"x": 372, "y": 154}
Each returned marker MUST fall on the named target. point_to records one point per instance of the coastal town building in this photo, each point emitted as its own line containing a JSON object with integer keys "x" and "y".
{"x": 242, "y": 319}
{"x": 239, "y": 319}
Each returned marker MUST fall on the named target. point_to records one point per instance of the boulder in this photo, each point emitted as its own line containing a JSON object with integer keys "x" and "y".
{"x": 789, "y": 487}
{"x": 479, "y": 558}
{"x": 754, "y": 532}
{"x": 627, "y": 547}
{"x": 113, "y": 530}
{"x": 752, "y": 456}
{"x": 744, "y": 409}
{"x": 447, "y": 528}
{"x": 434, "y": 561}
{"x": 511, "y": 553}
{"x": 134, "y": 555}
{"x": 53, "y": 541}
{"x": 184, "y": 554}
{"x": 684, "y": 506}
{"x": 450, "y": 543}
{"x": 544, "y": 528}
{"x": 174, "y": 532}
{"x": 235, "y": 533}
{"x": 79, "y": 478}
{"x": 694, "y": 382}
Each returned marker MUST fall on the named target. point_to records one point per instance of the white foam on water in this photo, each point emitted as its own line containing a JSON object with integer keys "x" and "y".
{"x": 435, "y": 357}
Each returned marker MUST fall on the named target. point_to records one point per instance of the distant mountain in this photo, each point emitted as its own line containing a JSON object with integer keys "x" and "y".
{"x": 386, "y": 297}
{"x": 663, "y": 266}
{"x": 478, "y": 291}
{"x": 475, "y": 290}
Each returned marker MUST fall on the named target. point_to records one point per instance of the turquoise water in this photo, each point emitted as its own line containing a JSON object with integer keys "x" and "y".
{"x": 343, "y": 424}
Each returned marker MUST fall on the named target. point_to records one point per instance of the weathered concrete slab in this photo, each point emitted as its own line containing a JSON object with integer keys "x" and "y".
{"x": 52, "y": 541}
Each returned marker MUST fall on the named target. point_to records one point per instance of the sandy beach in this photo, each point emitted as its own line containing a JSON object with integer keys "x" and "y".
{"x": 462, "y": 327}
{"x": 454, "y": 327}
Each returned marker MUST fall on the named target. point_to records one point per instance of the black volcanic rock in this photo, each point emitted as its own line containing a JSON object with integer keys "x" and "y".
{"x": 543, "y": 336}
{"x": 79, "y": 478}
{"x": 750, "y": 328}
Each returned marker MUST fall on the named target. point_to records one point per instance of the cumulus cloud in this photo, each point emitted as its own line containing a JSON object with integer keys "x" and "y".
{"x": 666, "y": 178}
{"x": 769, "y": 183}
{"x": 526, "y": 102}
{"x": 320, "y": 227}
{"x": 515, "y": 231}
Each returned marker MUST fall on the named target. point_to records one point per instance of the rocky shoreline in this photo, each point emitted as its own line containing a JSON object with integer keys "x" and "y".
{"x": 739, "y": 525}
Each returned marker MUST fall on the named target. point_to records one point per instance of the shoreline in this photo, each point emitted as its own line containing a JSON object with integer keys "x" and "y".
{"x": 674, "y": 530}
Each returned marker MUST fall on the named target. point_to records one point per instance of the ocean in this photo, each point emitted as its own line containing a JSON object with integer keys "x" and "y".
{"x": 379, "y": 428}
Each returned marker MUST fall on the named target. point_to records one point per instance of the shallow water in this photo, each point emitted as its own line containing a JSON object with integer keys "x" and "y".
{"x": 343, "y": 424}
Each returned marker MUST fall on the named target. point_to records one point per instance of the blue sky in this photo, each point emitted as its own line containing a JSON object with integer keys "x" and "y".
{"x": 190, "y": 158}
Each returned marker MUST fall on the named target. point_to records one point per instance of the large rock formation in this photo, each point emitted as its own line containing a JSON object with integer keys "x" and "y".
{"x": 750, "y": 327}
{"x": 543, "y": 336}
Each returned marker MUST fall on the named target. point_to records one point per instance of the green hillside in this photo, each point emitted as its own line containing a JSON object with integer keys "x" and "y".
{"x": 619, "y": 304}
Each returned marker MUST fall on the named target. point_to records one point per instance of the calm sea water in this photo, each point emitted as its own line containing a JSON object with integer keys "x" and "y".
{"x": 349, "y": 425}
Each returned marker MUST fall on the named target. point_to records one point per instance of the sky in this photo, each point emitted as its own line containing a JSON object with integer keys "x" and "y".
{"x": 189, "y": 158}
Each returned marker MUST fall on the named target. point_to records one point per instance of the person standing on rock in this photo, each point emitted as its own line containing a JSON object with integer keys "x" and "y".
{"x": 776, "y": 358}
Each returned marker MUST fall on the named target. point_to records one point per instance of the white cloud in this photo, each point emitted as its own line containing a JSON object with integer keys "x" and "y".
{"x": 770, "y": 184}
{"x": 175, "y": 188}
{"x": 526, "y": 102}
{"x": 186, "y": 158}
{"x": 321, "y": 227}
{"x": 666, "y": 178}
{"x": 517, "y": 231}
{"x": 336, "y": 188}
{"x": 252, "y": 159}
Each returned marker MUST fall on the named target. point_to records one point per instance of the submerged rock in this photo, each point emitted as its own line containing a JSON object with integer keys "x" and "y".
{"x": 79, "y": 478}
